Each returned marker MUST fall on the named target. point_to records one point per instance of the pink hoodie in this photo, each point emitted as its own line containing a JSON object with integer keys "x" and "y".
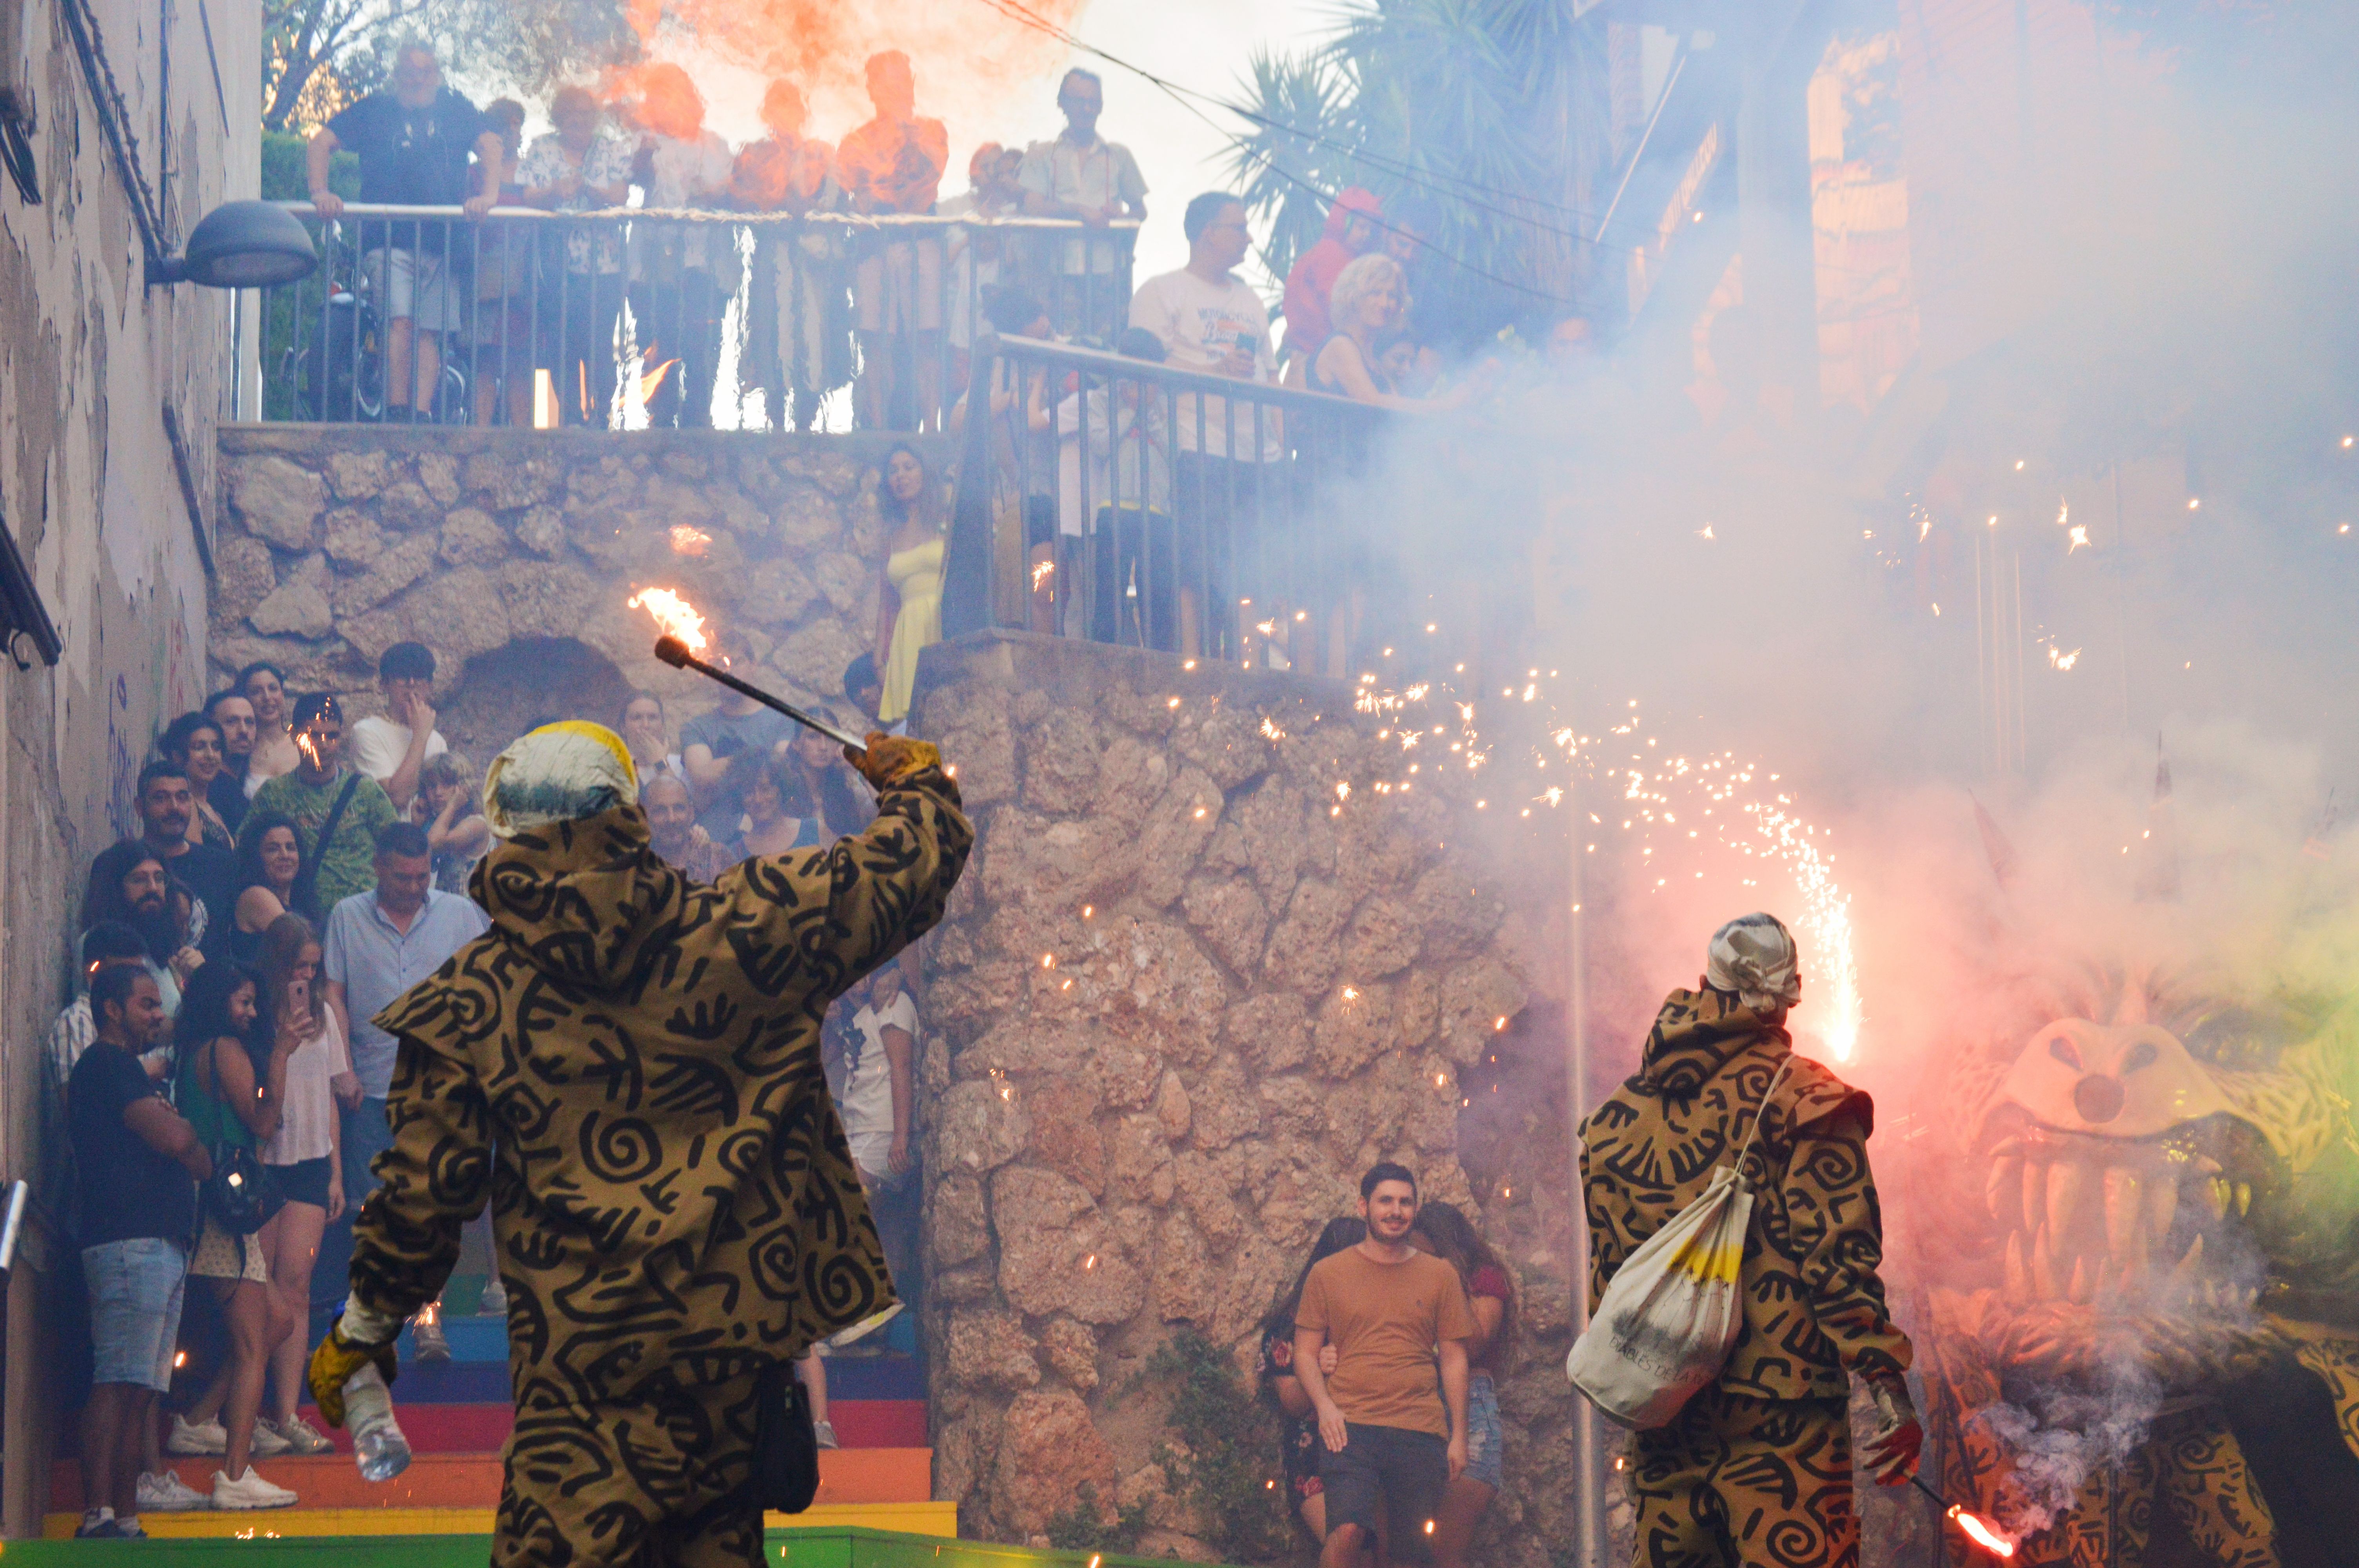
{"x": 1307, "y": 286}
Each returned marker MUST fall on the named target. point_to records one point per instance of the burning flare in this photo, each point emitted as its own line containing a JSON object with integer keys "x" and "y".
{"x": 675, "y": 615}
{"x": 1980, "y": 1532}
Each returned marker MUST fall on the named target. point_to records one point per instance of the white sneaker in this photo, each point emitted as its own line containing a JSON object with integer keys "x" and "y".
{"x": 208, "y": 1438}
{"x": 300, "y": 1435}
{"x": 167, "y": 1494}
{"x": 430, "y": 1342}
{"x": 495, "y": 1299}
{"x": 824, "y": 1435}
{"x": 266, "y": 1442}
{"x": 249, "y": 1491}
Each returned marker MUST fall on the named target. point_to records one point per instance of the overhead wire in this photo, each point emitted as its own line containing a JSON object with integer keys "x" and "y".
{"x": 1016, "y": 11}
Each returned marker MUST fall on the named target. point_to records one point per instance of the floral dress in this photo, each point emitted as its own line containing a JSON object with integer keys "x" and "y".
{"x": 1299, "y": 1439}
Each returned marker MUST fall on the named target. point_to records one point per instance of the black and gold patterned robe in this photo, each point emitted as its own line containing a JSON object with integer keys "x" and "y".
{"x": 628, "y": 1065}
{"x": 1758, "y": 1464}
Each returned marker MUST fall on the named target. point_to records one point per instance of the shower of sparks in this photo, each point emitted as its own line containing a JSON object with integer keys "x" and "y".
{"x": 2080, "y": 536}
{"x": 687, "y": 539}
{"x": 675, "y": 615}
{"x": 2059, "y": 659}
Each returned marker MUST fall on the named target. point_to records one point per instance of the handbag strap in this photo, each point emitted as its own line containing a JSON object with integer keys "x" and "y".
{"x": 307, "y": 885}
{"x": 1762, "y": 1114}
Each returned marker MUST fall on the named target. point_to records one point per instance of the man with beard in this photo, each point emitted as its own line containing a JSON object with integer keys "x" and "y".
{"x": 673, "y": 832}
{"x": 128, "y": 884}
{"x": 626, "y": 1065}
{"x": 1756, "y": 1469}
{"x": 234, "y": 717}
{"x": 167, "y": 802}
{"x": 1389, "y": 1444}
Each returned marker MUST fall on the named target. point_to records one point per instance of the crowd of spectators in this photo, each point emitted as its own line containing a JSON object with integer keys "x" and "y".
{"x": 511, "y": 305}
{"x": 227, "y": 984}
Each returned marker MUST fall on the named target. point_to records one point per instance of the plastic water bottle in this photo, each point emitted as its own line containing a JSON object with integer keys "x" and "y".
{"x": 377, "y": 1443}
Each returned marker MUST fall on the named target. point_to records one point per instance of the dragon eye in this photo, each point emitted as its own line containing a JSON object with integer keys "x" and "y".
{"x": 2065, "y": 1052}
{"x": 2141, "y": 1055}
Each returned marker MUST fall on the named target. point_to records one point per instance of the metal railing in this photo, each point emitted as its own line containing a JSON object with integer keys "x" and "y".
{"x": 631, "y": 318}
{"x": 1122, "y": 501}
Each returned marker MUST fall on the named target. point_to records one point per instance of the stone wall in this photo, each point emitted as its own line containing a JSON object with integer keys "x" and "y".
{"x": 338, "y": 541}
{"x": 1200, "y": 976}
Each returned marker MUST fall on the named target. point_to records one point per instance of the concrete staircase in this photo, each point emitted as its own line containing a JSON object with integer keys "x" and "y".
{"x": 458, "y": 1415}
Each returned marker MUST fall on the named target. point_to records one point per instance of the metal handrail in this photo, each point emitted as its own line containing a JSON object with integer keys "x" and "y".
{"x": 389, "y": 209}
{"x": 1157, "y": 371}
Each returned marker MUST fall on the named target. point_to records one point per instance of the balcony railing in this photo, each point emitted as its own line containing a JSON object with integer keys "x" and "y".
{"x": 631, "y": 318}
{"x": 1122, "y": 500}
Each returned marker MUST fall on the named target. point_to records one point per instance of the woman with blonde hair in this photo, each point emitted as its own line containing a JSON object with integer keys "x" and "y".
{"x": 456, "y": 834}
{"x": 1370, "y": 301}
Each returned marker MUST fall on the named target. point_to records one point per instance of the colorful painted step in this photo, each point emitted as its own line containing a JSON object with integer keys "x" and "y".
{"x": 473, "y": 1526}
{"x": 329, "y": 1483}
{"x": 483, "y": 1428}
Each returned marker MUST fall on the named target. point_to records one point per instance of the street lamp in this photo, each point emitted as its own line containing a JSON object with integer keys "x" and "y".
{"x": 241, "y": 244}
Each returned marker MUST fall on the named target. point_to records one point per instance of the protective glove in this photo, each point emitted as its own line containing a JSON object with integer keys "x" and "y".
{"x": 893, "y": 759}
{"x": 1891, "y": 1455}
{"x": 335, "y": 1362}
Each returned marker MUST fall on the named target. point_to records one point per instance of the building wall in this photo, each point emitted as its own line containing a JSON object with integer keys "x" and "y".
{"x": 89, "y": 360}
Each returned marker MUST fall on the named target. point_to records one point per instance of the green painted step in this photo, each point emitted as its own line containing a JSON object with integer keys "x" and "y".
{"x": 823, "y": 1548}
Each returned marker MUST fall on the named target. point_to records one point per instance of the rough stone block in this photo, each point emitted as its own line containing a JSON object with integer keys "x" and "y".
{"x": 979, "y": 1126}
{"x": 1057, "y": 1251}
{"x": 294, "y": 609}
{"x": 542, "y": 530}
{"x": 438, "y": 474}
{"x": 392, "y": 570}
{"x": 472, "y": 538}
{"x": 1072, "y": 1350}
{"x": 1271, "y": 1030}
{"x": 1048, "y": 1449}
{"x": 1060, "y": 763}
{"x": 408, "y": 507}
{"x": 1176, "y": 830}
{"x": 1382, "y": 938}
{"x": 1229, "y": 915}
{"x": 458, "y": 613}
{"x": 277, "y": 501}
{"x": 991, "y": 1350}
{"x": 961, "y": 1230}
{"x": 354, "y": 539}
{"x": 1304, "y": 949}
{"x": 357, "y": 476}
{"x": 244, "y": 576}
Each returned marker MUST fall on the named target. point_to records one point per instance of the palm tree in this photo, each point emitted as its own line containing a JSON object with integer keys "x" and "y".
{"x": 1486, "y": 114}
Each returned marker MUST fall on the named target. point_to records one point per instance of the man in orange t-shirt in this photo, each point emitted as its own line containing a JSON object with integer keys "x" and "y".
{"x": 1391, "y": 1444}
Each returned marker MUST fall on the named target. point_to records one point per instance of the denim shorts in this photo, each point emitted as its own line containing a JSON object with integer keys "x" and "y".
{"x": 1388, "y": 1478}
{"x": 136, "y": 1289}
{"x": 1485, "y": 1440}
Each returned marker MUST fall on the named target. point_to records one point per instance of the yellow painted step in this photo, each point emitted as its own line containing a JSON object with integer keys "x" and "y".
{"x": 935, "y": 1519}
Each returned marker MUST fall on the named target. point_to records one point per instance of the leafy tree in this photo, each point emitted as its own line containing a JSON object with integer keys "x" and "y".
{"x": 1487, "y": 112}
{"x": 318, "y": 55}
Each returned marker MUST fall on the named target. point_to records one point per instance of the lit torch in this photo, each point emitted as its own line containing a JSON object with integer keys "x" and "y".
{"x": 684, "y": 638}
{"x": 1978, "y": 1529}
{"x": 676, "y": 615}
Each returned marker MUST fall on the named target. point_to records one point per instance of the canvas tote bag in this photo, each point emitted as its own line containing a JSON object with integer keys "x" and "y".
{"x": 1664, "y": 1327}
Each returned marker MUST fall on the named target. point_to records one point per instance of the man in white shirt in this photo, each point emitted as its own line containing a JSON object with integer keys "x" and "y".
{"x": 1082, "y": 174}
{"x": 879, "y": 1093}
{"x": 392, "y": 746}
{"x": 1211, "y": 322}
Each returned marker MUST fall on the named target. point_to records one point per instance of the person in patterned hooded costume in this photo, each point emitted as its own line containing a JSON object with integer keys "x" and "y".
{"x": 626, "y": 1065}
{"x": 1758, "y": 1468}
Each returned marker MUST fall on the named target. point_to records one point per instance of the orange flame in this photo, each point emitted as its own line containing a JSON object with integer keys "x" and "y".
{"x": 687, "y": 539}
{"x": 676, "y": 615}
{"x": 652, "y": 379}
{"x": 1982, "y": 1533}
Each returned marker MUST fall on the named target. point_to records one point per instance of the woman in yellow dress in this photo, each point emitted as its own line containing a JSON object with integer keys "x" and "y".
{"x": 910, "y": 607}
